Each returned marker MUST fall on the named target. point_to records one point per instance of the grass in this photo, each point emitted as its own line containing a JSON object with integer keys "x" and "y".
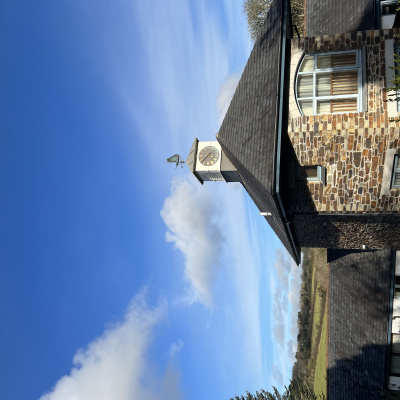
{"x": 312, "y": 351}
{"x": 319, "y": 330}
{"x": 320, "y": 367}
{"x": 319, "y": 310}
{"x": 313, "y": 281}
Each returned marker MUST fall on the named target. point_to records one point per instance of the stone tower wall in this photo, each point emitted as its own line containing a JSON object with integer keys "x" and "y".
{"x": 351, "y": 146}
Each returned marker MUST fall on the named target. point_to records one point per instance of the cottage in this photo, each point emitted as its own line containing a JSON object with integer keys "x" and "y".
{"x": 308, "y": 132}
{"x": 311, "y": 137}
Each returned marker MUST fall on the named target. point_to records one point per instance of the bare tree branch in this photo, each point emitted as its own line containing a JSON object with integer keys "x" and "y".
{"x": 256, "y": 11}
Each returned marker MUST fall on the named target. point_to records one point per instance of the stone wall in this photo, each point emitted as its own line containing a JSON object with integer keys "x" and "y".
{"x": 347, "y": 230}
{"x": 351, "y": 146}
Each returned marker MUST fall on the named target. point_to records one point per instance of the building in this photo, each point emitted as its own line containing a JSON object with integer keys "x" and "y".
{"x": 309, "y": 133}
{"x": 311, "y": 137}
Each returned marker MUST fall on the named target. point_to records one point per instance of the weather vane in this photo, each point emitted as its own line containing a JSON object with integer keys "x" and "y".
{"x": 176, "y": 159}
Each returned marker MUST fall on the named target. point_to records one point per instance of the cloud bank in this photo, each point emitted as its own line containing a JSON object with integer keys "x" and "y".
{"x": 285, "y": 310}
{"x": 191, "y": 216}
{"x": 225, "y": 94}
{"x": 116, "y": 365}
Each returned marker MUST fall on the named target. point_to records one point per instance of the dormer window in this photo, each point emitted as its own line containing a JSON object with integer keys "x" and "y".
{"x": 330, "y": 83}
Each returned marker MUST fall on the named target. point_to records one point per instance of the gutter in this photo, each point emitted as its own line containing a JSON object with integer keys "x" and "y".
{"x": 378, "y": 14}
{"x": 279, "y": 135}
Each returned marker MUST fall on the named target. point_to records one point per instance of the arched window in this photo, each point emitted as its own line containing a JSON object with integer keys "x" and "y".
{"x": 330, "y": 83}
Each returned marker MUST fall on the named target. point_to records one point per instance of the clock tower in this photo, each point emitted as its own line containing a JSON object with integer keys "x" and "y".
{"x": 208, "y": 162}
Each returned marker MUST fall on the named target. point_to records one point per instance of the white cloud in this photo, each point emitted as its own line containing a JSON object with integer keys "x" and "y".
{"x": 232, "y": 268}
{"x": 285, "y": 310}
{"x": 164, "y": 61}
{"x": 288, "y": 291}
{"x": 168, "y": 389}
{"x": 244, "y": 269}
{"x": 277, "y": 375}
{"x": 175, "y": 348}
{"x": 116, "y": 365}
{"x": 280, "y": 317}
{"x": 282, "y": 267}
{"x": 191, "y": 216}
{"x": 291, "y": 348}
{"x": 225, "y": 94}
{"x": 294, "y": 297}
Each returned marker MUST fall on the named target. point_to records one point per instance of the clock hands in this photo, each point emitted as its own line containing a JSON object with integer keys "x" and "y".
{"x": 207, "y": 155}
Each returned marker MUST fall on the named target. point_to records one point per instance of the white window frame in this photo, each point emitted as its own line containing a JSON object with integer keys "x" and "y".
{"x": 320, "y": 174}
{"x": 358, "y": 67}
{"x": 396, "y": 170}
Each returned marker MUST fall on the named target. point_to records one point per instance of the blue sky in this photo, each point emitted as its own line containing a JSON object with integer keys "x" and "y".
{"x": 120, "y": 276}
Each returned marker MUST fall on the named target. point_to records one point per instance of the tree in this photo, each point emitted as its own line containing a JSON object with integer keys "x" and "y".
{"x": 256, "y": 12}
{"x": 297, "y": 390}
{"x": 297, "y": 7}
{"x": 394, "y": 89}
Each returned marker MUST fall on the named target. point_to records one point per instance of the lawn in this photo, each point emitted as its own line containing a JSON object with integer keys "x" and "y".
{"x": 320, "y": 367}
{"x": 319, "y": 328}
{"x": 313, "y": 320}
{"x": 319, "y": 309}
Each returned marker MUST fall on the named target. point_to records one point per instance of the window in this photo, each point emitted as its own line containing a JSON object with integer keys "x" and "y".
{"x": 396, "y": 172}
{"x": 311, "y": 173}
{"x": 389, "y": 7}
{"x": 330, "y": 83}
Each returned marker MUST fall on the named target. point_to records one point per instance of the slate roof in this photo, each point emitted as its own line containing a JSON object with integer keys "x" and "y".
{"x": 249, "y": 131}
{"x": 359, "y": 293}
{"x": 327, "y": 17}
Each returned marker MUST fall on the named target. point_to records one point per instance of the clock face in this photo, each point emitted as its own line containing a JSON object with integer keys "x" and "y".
{"x": 209, "y": 155}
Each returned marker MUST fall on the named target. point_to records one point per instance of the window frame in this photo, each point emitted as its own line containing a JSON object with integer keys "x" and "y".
{"x": 315, "y": 99}
{"x": 396, "y": 170}
{"x": 321, "y": 172}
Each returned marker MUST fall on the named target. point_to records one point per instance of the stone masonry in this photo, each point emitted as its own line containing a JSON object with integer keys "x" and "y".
{"x": 352, "y": 147}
